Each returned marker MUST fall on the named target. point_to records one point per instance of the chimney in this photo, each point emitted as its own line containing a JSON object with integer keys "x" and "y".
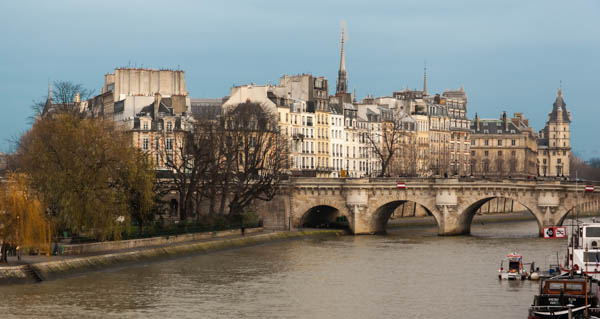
{"x": 505, "y": 121}
{"x": 476, "y": 122}
{"x": 157, "y": 99}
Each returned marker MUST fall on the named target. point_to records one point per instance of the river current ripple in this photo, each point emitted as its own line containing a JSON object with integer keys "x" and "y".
{"x": 409, "y": 273}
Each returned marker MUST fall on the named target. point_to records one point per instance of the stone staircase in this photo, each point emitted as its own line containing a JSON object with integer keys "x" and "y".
{"x": 31, "y": 272}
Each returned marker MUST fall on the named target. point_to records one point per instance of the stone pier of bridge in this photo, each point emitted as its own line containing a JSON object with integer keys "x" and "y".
{"x": 368, "y": 204}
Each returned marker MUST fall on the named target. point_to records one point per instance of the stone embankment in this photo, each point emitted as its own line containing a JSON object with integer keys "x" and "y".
{"x": 101, "y": 247}
{"x": 54, "y": 269}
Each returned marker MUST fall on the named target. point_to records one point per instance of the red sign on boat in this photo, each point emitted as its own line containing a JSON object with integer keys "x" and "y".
{"x": 555, "y": 232}
{"x": 401, "y": 185}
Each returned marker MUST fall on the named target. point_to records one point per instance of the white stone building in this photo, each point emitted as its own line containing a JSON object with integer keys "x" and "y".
{"x": 337, "y": 142}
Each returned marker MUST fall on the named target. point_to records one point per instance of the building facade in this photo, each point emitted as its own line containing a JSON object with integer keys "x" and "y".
{"x": 554, "y": 143}
{"x": 503, "y": 147}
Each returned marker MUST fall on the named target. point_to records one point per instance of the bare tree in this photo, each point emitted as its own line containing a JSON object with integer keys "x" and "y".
{"x": 64, "y": 92}
{"x": 583, "y": 169}
{"x": 62, "y": 98}
{"x": 188, "y": 156}
{"x": 386, "y": 142}
{"x": 407, "y": 160}
{"x": 257, "y": 158}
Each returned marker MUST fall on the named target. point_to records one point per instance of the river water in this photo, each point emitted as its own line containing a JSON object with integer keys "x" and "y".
{"x": 409, "y": 273}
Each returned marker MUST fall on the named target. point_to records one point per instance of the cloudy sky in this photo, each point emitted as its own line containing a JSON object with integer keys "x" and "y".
{"x": 509, "y": 55}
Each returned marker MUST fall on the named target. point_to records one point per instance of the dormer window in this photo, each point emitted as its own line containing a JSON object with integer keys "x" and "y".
{"x": 145, "y": 125}
{"x": 169, "y": 126}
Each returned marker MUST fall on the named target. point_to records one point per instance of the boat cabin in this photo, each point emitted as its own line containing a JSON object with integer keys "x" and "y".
{"x": 567, "y": 287}
{"x": 515, "y": 263}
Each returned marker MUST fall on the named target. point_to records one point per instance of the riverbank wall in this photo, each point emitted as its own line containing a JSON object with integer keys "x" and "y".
{"x": 68, "y": 266}
{"x": 100, "y": 247}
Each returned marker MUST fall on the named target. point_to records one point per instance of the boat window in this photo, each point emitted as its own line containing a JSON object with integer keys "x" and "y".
{"x": 592, "y": 231}
{"x": 592, "y": 257}
{"x": 555, "y": 286}
{"x": 513, "y": 265}
{"x": 574, "y": 287}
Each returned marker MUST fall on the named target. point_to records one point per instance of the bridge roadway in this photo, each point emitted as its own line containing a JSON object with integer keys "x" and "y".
{"x": 367, "y": 203}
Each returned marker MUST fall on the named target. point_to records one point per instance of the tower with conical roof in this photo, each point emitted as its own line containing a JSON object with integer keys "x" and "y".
{"x": 342, "y": 80}
{"x": 554, "y": 143}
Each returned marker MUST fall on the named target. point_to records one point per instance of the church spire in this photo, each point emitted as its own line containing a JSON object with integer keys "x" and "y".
{"x": 342, "y": 80}
{"x": 425, "y": 79}
{"x": 49, "y": 91}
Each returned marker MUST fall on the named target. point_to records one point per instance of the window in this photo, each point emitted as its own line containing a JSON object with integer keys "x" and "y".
{"x": 472, "y": 142}
{"x": 145, "y": 143}
{"x": 486, "y": 142}
{"x": 499, "y": 142}
{"x": 513, "y": 142}
{"x": 145, "y": 125}
{"x": 169, "y": 144}
{"x": 486, "y": 153}
{"x": 169, "y": 126}
{"x": 499, "y": 153}
{"x": 559, "y": 161}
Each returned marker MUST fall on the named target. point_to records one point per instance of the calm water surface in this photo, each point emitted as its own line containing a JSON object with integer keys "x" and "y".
{"x": 409, "y": 273}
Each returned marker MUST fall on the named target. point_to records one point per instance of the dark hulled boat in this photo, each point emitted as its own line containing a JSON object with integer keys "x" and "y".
{"x": 558, "y": 294}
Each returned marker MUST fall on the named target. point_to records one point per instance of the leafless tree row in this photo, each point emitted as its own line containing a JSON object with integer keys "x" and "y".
{"x": 228, "y": 162}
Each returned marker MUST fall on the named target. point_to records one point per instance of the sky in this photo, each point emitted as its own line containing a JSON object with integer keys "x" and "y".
{"x": 509, "y": 55}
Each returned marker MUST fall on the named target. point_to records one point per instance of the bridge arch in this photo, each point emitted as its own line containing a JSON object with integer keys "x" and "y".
{"x": 468, "y": 211}
{"x": 384, "y": 209}
{"x": 319, "y": 213}
{"x": 321, "y": 216}
{"x": 586, "y": 205}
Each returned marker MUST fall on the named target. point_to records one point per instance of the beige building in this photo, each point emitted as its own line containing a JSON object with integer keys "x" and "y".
{"x": 439, "y": 139}
{"x": 554, "y": 143}
{"x": 314, "y": 91}
{"x": 504, "y": 147}
{"x": 151, "y": 105}
{"x": 127, "y": 90}
{"x": 159, "y": 130}
{"x": 460, "y": 139}
{"x": 414, "y": 102}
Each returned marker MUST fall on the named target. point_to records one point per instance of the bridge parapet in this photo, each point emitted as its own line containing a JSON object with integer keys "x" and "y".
{"x": 368, "y": 202}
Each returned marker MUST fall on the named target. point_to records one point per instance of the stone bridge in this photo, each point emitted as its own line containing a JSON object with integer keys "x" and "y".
{"x": 368, "y": 203}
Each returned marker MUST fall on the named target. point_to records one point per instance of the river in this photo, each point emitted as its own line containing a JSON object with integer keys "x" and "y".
{"x": 408, "y": 273}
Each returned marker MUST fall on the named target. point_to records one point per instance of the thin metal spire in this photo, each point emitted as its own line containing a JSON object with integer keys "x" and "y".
{"x": 342, "y": 55}
{"x": 49, "y": 90}
{"x": 425, "y": 78}
{"x": 342, "y": 80}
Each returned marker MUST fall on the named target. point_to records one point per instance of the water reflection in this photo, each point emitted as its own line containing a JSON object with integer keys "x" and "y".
{"x": 408, "y": 273}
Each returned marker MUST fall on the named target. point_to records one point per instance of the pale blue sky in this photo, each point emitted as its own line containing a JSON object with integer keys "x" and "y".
{"x": 509, "y": 55}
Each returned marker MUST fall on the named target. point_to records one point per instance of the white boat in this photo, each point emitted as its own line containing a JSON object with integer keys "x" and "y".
{"x": 515, "y": 270}
{"x": 584, "y": 249}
